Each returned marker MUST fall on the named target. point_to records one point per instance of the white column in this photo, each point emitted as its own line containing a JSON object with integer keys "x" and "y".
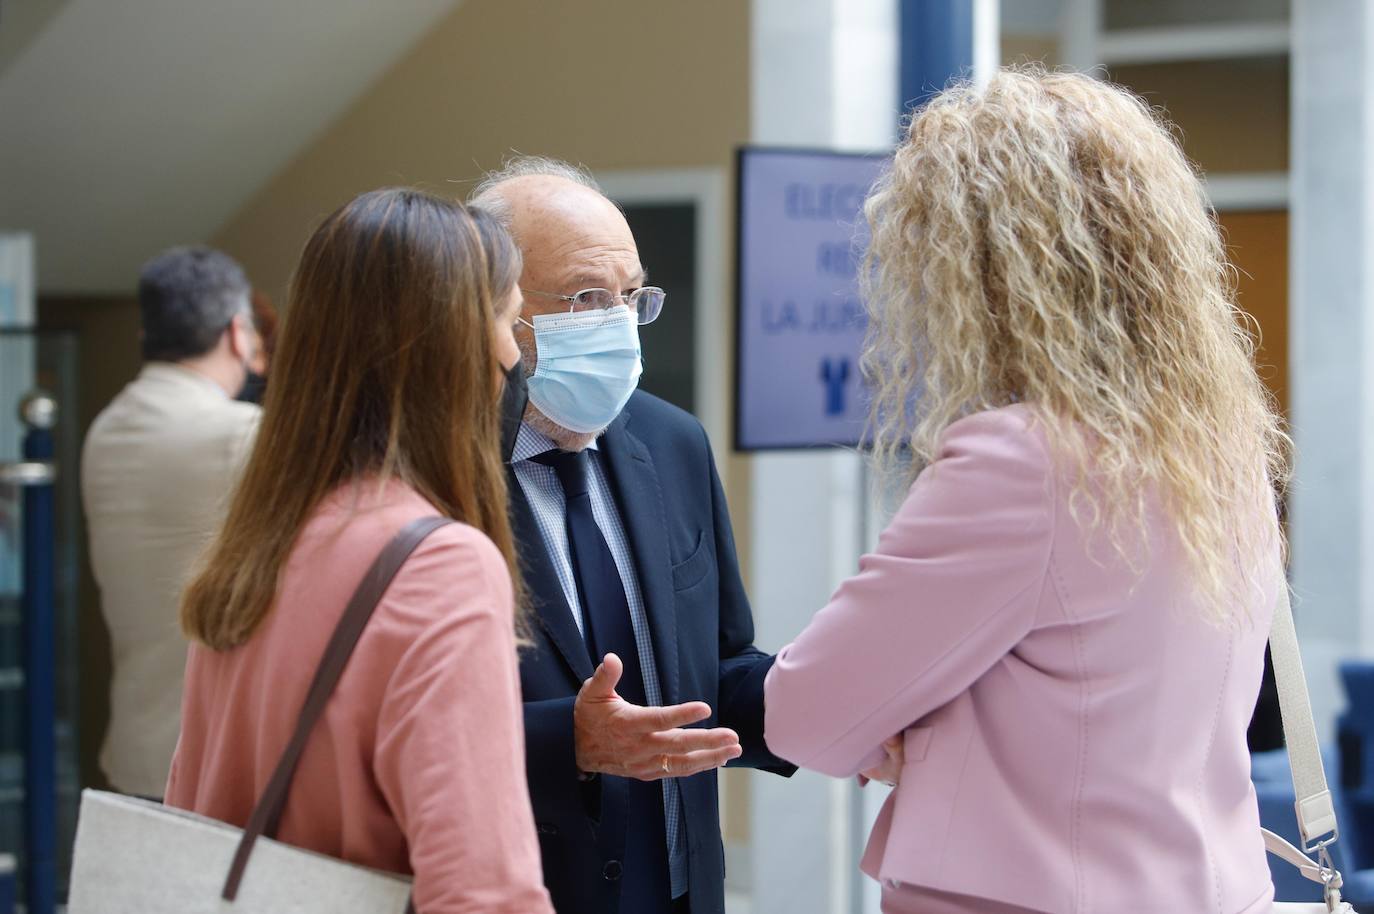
{"x": 824, "y": 74}
{"x": 1080, "y": 24}
{"x": 1331, "y": 342}
{"x": 987, "y": 40}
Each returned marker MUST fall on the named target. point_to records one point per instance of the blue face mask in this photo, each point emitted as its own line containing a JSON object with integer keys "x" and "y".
{"x": 589, "y": 364}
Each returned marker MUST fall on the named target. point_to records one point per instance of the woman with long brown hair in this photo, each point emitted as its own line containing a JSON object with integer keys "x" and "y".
{"x": 1063, "y": 627}
{"x": 386, "y": 407}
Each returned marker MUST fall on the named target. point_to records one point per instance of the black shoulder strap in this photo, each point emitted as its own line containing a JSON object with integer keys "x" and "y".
{"x": 267, "y": 813}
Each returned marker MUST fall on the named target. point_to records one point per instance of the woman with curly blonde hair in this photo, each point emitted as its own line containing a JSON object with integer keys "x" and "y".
{"x": 1058, "y": 643}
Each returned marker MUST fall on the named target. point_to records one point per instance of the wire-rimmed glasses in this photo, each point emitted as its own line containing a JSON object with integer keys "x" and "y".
{"x": 647, "y": 301}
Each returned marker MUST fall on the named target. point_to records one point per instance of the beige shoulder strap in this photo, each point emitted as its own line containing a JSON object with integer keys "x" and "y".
{"x": 267, "y": 814}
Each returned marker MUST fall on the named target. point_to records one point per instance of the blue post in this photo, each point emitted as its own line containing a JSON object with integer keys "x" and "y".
{"x": 936, "y": 46}
{"x": 40, "y": 678}
{"x": 7, "y": 889}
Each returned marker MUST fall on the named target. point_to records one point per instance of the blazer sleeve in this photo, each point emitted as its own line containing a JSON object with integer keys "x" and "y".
{"x": 743, "y": 667}
{"x": 953, "y": 586}
{"x": 550, "y": 741}
{"x": 449, "y": 757}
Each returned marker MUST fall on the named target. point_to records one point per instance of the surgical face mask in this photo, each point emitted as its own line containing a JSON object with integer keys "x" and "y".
{"x": 254, "y": 388}
{"x": 514, "y": 396}
{"x": 589, "y": 364}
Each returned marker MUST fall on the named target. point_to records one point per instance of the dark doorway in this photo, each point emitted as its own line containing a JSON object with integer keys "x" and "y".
{"x": 666, "y": 235}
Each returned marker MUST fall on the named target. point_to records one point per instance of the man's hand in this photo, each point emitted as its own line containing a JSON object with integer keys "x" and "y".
{"x": 889, "y": 771}
{"x": 615, "y": 737}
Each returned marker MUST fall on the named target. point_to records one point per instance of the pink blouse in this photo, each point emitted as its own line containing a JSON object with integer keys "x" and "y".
{"x": 417, "y": 765}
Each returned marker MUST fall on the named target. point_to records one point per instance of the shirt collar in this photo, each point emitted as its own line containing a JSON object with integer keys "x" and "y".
{"x": 181, "y": 374}
{"x": 530, "y": 443}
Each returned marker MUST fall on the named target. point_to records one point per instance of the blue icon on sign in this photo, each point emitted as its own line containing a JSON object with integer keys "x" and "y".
{"x": 835, "y": 376}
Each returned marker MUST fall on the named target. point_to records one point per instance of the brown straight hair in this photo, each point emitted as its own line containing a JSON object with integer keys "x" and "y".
{"x": 385, "y": 368}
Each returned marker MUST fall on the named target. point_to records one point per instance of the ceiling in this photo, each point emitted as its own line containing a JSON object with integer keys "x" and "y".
{"x": 129, "y": 126}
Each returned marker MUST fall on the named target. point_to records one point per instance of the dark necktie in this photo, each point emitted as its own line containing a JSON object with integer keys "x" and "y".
{"x": 605, "y": 609}
{"x": 635, "y": 829}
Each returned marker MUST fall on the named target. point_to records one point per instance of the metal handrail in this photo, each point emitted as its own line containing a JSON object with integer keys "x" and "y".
{"x": 28, "y": 473}
{"x": 35, "y": 474}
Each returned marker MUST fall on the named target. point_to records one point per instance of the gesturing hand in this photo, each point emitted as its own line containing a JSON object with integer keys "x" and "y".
{"x": 615, "y": 737}
{"x": 889, "y": 771}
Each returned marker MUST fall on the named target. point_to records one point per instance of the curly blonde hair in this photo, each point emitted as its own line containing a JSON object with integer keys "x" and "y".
{"x": 1045, "y": 241}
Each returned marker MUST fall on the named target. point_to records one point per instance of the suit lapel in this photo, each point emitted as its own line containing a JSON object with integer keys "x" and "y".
{"x": 639, "y": 497}
{"x": 545, "y": 591}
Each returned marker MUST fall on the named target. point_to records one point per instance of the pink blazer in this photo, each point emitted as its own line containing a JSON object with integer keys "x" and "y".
{"x": 1074, "y": 731}
{"x": 418, "y": 765}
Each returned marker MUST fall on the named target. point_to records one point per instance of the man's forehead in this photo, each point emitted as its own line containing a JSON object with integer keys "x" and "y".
{"x": 572, "y": 236}
{"x": 541, "y": 205}
{"x": 583, "y": 259}
{"x": 628, "y": 272}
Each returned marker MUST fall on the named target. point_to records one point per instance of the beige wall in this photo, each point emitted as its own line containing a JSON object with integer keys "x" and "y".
{"x": 613, "y": 84}
{"x": 1029, "y": 49}
{"x": 1231, "y": 114}
{"x": 1257, "y": 244}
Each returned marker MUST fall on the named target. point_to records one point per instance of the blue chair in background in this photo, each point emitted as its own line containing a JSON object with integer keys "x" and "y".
{"x": 8, "y": 891}
{"x": 1273, "y": 781}
{"x": 1355, "y": 738}
{"x": 1350, "y": 773}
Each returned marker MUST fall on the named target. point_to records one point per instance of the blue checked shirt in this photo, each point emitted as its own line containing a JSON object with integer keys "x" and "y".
{"x": 545, "y": 495}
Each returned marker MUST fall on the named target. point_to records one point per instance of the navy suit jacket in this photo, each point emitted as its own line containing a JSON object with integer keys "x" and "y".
{"x": 663, "y": 478}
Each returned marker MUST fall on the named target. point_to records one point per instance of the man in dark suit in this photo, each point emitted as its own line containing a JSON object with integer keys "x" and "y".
{"x": 629, "y": 556}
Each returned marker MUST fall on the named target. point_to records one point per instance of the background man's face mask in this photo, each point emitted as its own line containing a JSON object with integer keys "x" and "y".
{"x": 589, "y": 364}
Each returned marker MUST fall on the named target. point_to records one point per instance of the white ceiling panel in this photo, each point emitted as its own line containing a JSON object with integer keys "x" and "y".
{"x": 129, "y": 126}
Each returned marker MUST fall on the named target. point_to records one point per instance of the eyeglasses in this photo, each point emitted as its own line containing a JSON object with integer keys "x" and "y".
{"x": 647, "y": 302}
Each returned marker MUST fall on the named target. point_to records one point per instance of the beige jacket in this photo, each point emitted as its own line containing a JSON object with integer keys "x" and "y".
{"x": 158, "y": 467}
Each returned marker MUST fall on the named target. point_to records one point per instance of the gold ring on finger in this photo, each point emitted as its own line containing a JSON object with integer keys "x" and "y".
{"x": 667, "y": 769}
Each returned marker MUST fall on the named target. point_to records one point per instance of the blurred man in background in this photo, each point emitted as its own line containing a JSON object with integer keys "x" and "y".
{"x": 158, "y": 465}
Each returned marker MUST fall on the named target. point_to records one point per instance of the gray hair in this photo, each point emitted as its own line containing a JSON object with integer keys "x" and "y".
{"x": 188, "y": 296}
{"x": 485, "y": 195}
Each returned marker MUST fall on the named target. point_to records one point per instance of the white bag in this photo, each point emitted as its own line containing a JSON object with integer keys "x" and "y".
{"x": 1315, "y": 809}
{"x": 139, "y": 857}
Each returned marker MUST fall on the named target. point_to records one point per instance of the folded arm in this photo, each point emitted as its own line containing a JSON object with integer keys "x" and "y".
{"x": 743, "y": 667}
{"x": 952, "y": 587}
